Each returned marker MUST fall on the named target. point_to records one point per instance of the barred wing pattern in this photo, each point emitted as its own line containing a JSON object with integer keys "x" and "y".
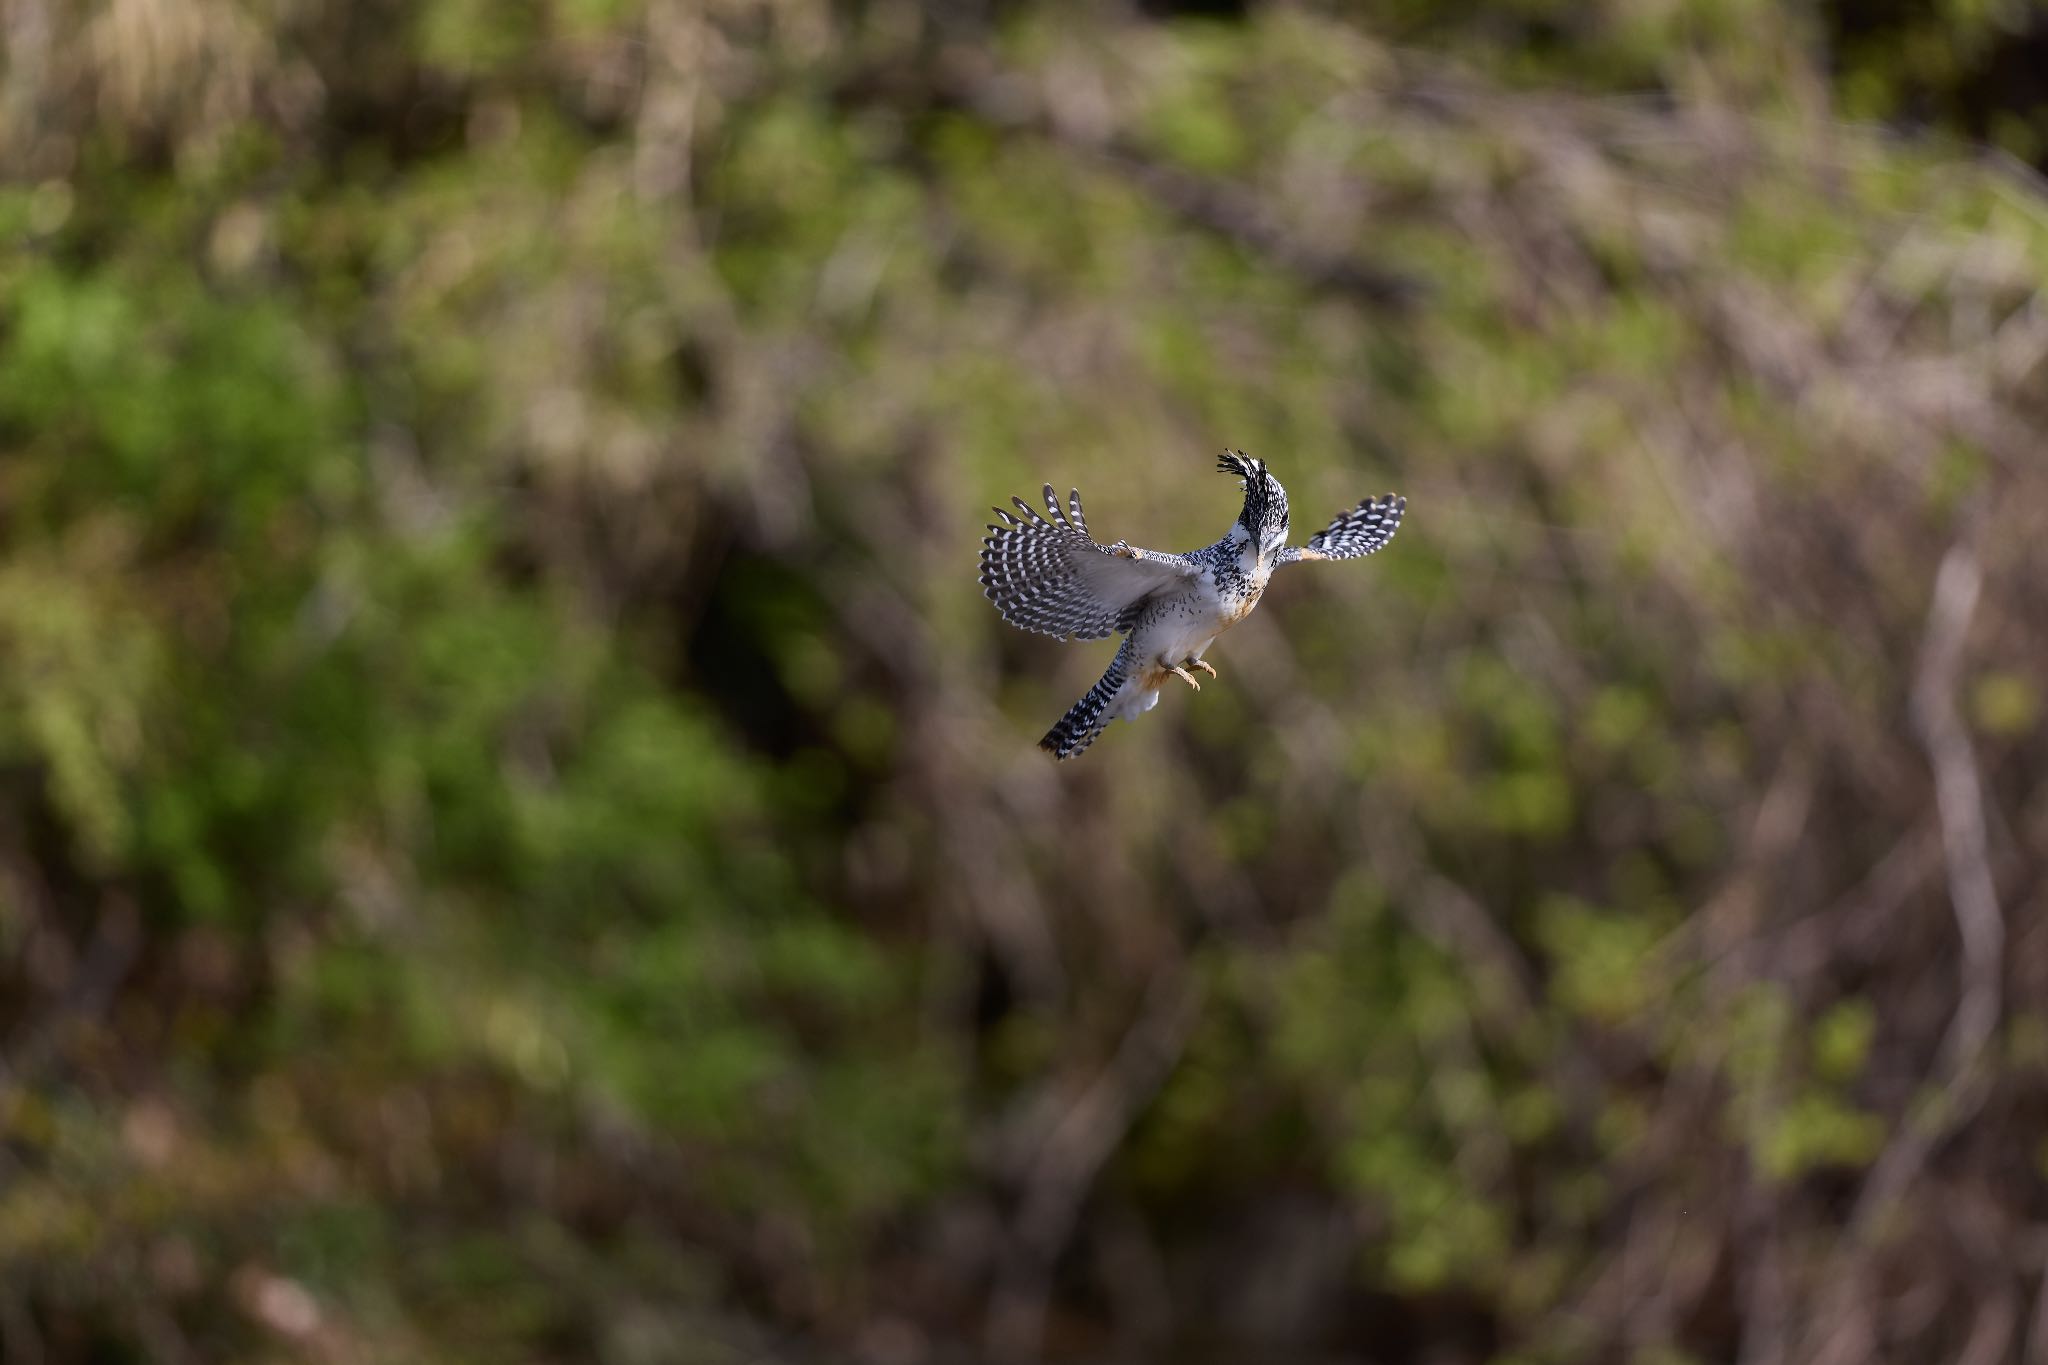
{"x": 1049, "y": 575}
{"x": 1358, "y": 532}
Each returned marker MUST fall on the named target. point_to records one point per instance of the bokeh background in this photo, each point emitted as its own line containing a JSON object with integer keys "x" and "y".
{"x": 520, "y": 838}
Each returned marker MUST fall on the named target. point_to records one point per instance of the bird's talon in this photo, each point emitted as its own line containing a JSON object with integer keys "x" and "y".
{"x": 1185, "y": 677}
{"x": 1197, "y": 663}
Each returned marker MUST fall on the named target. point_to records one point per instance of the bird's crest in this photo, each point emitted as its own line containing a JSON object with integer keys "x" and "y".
{"x": 1238, "y": 463}
{"x": 1265, "y": 501}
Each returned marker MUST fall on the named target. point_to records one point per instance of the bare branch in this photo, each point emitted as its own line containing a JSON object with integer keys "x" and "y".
{"x": 1072, "y": 1154}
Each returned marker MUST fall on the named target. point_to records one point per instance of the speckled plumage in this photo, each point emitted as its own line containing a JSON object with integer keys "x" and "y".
{"x": 1046, "y": 573}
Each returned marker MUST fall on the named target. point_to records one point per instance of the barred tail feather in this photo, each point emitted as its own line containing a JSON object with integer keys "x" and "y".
{"x": 1086, "y": 718}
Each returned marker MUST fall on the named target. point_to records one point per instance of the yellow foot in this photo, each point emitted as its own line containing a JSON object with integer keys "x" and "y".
{"x": 1197, "y": 663}
{"x": 1185, "y": 676}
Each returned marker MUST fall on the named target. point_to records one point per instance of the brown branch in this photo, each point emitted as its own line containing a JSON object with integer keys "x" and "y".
{"x": 966, "y": 83}
{"x": 1244, "y": 219}
{"x": 1071, "y": 1155}
{"x": 1959, "y": 1082}
{"x": 1973, "y": 894}
{"x": 1959, "y": 797}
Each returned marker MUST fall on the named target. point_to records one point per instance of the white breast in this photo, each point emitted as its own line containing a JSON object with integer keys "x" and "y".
{"x": 1182, "y": 631}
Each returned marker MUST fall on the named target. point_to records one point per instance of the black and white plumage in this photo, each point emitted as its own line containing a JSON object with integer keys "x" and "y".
{"x": 1046, "y": 573}
{"x": 1352, "y": 534}
{"x": 1049, "y": 575}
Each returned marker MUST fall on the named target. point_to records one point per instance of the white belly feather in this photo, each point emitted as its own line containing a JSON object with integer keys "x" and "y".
{"x": 1174, "y": 637}
{"x": 1180, "y": 630}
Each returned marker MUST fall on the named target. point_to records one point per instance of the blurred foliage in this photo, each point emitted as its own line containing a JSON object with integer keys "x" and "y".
{"x": 519, "y": 839}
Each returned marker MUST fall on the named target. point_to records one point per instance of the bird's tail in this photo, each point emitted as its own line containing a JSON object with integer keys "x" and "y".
{"x": 1085, "y": 719}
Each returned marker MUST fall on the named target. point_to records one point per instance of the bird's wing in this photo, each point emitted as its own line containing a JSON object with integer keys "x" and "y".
{"x": 1353, "y": 533}
{"x": 1050, "y": 575}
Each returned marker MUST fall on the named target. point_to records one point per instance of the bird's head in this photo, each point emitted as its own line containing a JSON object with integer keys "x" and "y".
{"x": 1264, "y": 518}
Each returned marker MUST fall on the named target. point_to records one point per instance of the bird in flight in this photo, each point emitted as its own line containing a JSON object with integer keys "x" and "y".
{"x": 1046, "y": 573}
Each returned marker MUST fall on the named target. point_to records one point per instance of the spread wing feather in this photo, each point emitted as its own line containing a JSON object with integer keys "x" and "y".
{"x": 1046, "y": 573}
{"x": 1353, "y": 533}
